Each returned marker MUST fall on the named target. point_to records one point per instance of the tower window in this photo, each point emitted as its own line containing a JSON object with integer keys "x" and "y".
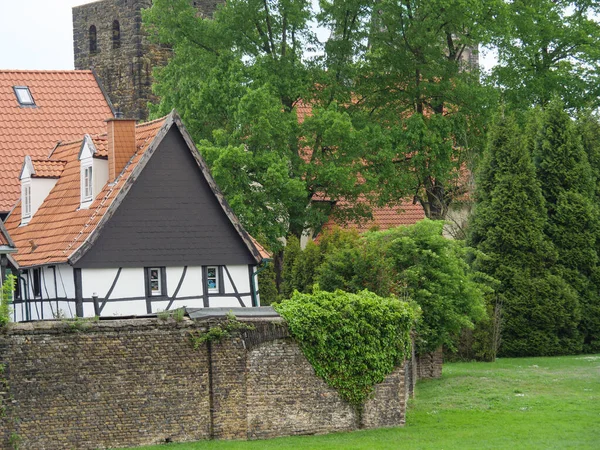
{"x": 24, "y": 96}
{"x": 116, "y": 34}
{"x": 93, "y": 42}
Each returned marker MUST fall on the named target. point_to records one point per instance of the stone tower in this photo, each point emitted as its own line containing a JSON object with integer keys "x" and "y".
{"x": 108, "y": 38}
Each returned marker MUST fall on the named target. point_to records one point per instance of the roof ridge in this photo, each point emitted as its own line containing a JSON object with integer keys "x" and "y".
{"x": 45, "y": 71}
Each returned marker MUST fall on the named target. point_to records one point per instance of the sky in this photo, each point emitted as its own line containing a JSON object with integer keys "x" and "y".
{"x": 38, "y": 34}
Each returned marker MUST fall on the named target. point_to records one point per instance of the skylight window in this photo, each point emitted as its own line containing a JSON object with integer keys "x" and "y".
{"x": 24, "y": 97}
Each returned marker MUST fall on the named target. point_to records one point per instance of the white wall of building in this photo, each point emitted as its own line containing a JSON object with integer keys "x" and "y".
{"x": 128, "y": 296}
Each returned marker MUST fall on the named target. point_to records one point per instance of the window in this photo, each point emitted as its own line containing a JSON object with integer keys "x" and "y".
{"x": 26, "y": 200}
{"x": 212, "y": 279}
{"x": 37, "y": 283}
{"x": 24, "y": 96}
{"x": 116, "y": 34}
{"x": 93, "y": 43}
{"x": 156, "y": 282}
{"x": 86, "y": 184}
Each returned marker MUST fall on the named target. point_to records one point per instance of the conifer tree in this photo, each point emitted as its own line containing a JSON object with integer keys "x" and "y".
{"x": 541, "y": 311}
{"x": 568, "y": 185}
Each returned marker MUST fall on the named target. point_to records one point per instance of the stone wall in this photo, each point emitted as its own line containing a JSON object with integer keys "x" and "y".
{"x": 125, "y": 71}
{"x": 116, "y": 383}
{"x": 429, "y": 365}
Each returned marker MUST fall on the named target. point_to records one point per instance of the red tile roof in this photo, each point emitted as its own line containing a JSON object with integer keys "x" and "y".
{"x": 59, "y": 227}
{"x": 44, "y": 168}
{"x": 384, "y": 217}
{"x": 68, "y": 104}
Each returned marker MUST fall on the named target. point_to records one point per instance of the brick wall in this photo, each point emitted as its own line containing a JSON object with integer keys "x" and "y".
{"x": 429, "y": 365}
{"x": 134, "y": 382}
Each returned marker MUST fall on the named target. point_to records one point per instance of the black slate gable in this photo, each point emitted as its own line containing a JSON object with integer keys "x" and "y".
{"x": 169, "y": 217}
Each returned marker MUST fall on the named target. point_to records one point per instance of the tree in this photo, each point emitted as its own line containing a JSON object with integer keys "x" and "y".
{"x": 415, "y": 263}
{"x": 549, "y": 48}
{"x": 416, "y": 82}
{"x": 236, "y": 81}
{"x": 569, "y": 188}
{"x": 541, "y": 311}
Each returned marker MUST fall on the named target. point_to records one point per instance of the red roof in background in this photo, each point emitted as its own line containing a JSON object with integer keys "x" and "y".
{"x": 384, "y": 217}
{"x": 68, "y": 104}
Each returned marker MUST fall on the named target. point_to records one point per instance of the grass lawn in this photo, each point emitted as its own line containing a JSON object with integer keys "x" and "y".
{"x": 522, "y": 403}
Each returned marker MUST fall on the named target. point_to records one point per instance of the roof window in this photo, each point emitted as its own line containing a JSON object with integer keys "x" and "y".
{"x": 24, "y": 97}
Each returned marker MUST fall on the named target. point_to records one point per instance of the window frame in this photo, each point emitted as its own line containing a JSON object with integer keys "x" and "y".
{"x": 36, "y": 278}
{"x": 161, "y": 279}
{"x": 87, "y": 183}
{"x": 31, "y": 104}
{"x": 26, "y": 208}
{"x": 217, "y": 278}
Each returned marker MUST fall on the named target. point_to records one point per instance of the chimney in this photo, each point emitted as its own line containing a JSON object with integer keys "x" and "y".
{"x": 121, "y": 145}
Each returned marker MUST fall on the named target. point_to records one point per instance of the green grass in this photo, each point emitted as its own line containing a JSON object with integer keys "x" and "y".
{"x": 524, "y": 403}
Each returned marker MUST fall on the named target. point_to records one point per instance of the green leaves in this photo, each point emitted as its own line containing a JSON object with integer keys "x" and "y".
{"x": 353, "y": 341}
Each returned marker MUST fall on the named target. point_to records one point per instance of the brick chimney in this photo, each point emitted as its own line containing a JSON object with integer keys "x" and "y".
{"x": 121, "y": 145}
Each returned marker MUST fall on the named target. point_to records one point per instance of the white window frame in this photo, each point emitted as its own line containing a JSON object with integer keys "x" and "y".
{"x": 87, "y": 185}
{"x": 213, "y": 290}
{"x": 26, "y": 207}
{"x": 152, "y": 292}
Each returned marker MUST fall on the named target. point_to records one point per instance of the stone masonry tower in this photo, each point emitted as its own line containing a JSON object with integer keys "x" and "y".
{"x": 108, "y": 38}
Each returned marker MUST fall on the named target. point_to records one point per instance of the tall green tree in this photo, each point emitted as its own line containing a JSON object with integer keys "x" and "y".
{"x": 541, "y": 311}
{"x": 549, "y": 48}
{"x": 568, "y": 186}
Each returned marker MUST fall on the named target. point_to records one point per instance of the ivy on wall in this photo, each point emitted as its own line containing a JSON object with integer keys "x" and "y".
{"x": 353, "y": 341}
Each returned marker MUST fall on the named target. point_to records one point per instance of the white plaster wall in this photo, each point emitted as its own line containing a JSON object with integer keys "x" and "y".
{"x": 240, "y": 276}
{"x": 192, "y": 284}
{"x": 99, "y": 175}
{"x": 44, "y": 310}
{"x": 65, "y": 281}
{"x": 40, "y": 188}
{"x": 99, "y": 281}
{"x": 132, "y": 307}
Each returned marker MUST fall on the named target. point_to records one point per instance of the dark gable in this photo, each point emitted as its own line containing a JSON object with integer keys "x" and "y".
{"x": 170, "y": 217}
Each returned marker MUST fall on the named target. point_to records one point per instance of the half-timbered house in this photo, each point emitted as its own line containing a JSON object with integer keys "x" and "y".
{"x": 128, "y": 223}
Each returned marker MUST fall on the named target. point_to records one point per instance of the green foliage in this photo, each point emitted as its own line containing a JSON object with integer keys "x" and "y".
{"x": 6, "y": 299}
{"x": 549, "y": 48}
{"x": 266, "y": 285}
{"x": 352, "y": 340}
{"x": 236, "y": 80}
{"x": 177, "y": 314}
{"x": 218, "y": 331}
{"x": 540, "y": 310}
{"x": 573, "y": 224}
{"x": 415, "y": 263}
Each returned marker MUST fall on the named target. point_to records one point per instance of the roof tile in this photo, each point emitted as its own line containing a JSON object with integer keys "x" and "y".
{"x": 68, "y": 104}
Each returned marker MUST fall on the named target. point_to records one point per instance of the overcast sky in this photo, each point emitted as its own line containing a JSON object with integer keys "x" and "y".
{"x": 38, "y": 34}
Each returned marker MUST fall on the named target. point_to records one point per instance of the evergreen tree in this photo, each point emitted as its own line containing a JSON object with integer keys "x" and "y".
{"x": 541, "y": 311}
{"x": 569, "y": 189}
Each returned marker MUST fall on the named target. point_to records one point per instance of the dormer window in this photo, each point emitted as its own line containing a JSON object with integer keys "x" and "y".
{"x": 24, "y": 96}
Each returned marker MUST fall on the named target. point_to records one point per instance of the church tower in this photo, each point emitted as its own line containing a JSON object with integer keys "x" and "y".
{"x": 108, "y": 38}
